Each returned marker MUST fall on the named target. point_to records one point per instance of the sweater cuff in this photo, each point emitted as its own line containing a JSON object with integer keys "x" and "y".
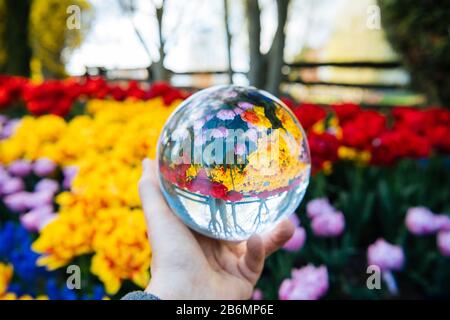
{"x": 139, "y": 295}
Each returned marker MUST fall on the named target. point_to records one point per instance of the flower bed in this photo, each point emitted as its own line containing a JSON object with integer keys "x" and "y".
{"x": 68, "y": 185}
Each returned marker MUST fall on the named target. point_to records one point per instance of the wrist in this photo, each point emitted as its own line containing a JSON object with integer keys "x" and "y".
{"x": 166, "y": 288}
{"x": 158, "y": 291}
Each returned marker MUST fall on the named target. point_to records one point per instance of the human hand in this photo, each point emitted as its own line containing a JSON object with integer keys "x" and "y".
{"x": 187, "y": 265}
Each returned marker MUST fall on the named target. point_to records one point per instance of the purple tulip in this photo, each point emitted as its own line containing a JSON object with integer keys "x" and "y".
{"x": 3, "y": 119}
{"x": 9, "y": 128}
{"x": 245, "y": 105}
{"x": 220, "y": 132}
{"x": 17, "y": 201}
{"x": 443, "y": 243}
{"x": 385, "y": 255}
{"x": 39, "y": 199}
{"x": 69, "y": 174}
{"x": 442, "y": 222}
{"x": 20, "y": 168}
{"x": 252, "y": 135}
{"x": 240, "y": 149}
{"x": 328, "y": 224}
{"x": 238, "y": 111}
{"x": 36, "y": 219}
{"x": 420, "y": 221}
{"x": 199, "y": 139}
{"x": 307, "y": 283}
{"x": 297, "y": 240}
{"x": 198, "y": 124}
{"x": 43, "y": 167}
{"x": 4, "y": 176}
{"x": 12, "y": 185}
{"x": 226, "y": 114}
{"x": 47, "y": 185}
{"x": 230, "y": 94}
{"x": 179, "y": 134}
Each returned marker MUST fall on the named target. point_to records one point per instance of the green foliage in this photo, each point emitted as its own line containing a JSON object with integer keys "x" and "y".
{"x": 374, "y": 201}
{"x": 49, "y": 36}
{"x": 420, "y": 32}
{"x": 34, "y": 37}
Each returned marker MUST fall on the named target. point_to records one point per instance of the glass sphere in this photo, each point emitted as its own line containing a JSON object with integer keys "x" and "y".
{"x": 233, "y": 161}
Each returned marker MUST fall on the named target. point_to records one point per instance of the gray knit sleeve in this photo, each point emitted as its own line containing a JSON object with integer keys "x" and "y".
{"x": 139, "y": 295}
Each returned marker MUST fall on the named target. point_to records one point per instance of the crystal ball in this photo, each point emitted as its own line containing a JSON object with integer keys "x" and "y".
{"x": 233, "y": 161}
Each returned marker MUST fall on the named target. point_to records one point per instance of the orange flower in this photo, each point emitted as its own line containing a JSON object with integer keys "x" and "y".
{"x": 250, "y": 116}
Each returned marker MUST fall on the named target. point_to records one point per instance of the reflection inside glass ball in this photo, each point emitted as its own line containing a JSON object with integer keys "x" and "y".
{"x": 233, "y": 161}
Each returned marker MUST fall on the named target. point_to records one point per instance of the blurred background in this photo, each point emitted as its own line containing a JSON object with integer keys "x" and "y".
{"x": 86, "y": 86}
{"x": 319, "y": 50}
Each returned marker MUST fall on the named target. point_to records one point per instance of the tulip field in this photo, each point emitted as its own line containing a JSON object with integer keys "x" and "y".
{"x": 70, "y": 159}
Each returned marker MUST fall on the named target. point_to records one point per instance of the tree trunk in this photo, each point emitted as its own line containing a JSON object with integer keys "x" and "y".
{"x": 158, "y": 69}
{"x": 265, "y": 69}
{"x": 18, "y": 49}
{"x": 276, "y": 52}
{"x": 256, "y": 73}
{"x": 228, "y": 37}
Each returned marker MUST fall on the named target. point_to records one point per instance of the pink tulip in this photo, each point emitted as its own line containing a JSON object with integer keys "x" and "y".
{"x": 257, "y": 295}
{"x": 328, "y": 224}
{"x": 297, "y": 240}
{"x": 420, "y": 221}
{"x": 307, "y": 283}
{"x": 442, "y": 222}
{"x": 443, "y": 243}
{"x": 385, "y": 255}
{"x": 318, "y": 207}
{"x": 294, "y": 219}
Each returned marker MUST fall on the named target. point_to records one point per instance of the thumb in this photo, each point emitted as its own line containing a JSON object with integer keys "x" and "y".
{"x": 163, "y": 226}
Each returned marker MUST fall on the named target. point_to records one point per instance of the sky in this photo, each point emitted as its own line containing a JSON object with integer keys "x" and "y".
{"x": 195, "y": 33}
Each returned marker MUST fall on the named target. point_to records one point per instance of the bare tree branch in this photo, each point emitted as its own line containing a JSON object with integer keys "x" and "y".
{"x": 128, "y": 7}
